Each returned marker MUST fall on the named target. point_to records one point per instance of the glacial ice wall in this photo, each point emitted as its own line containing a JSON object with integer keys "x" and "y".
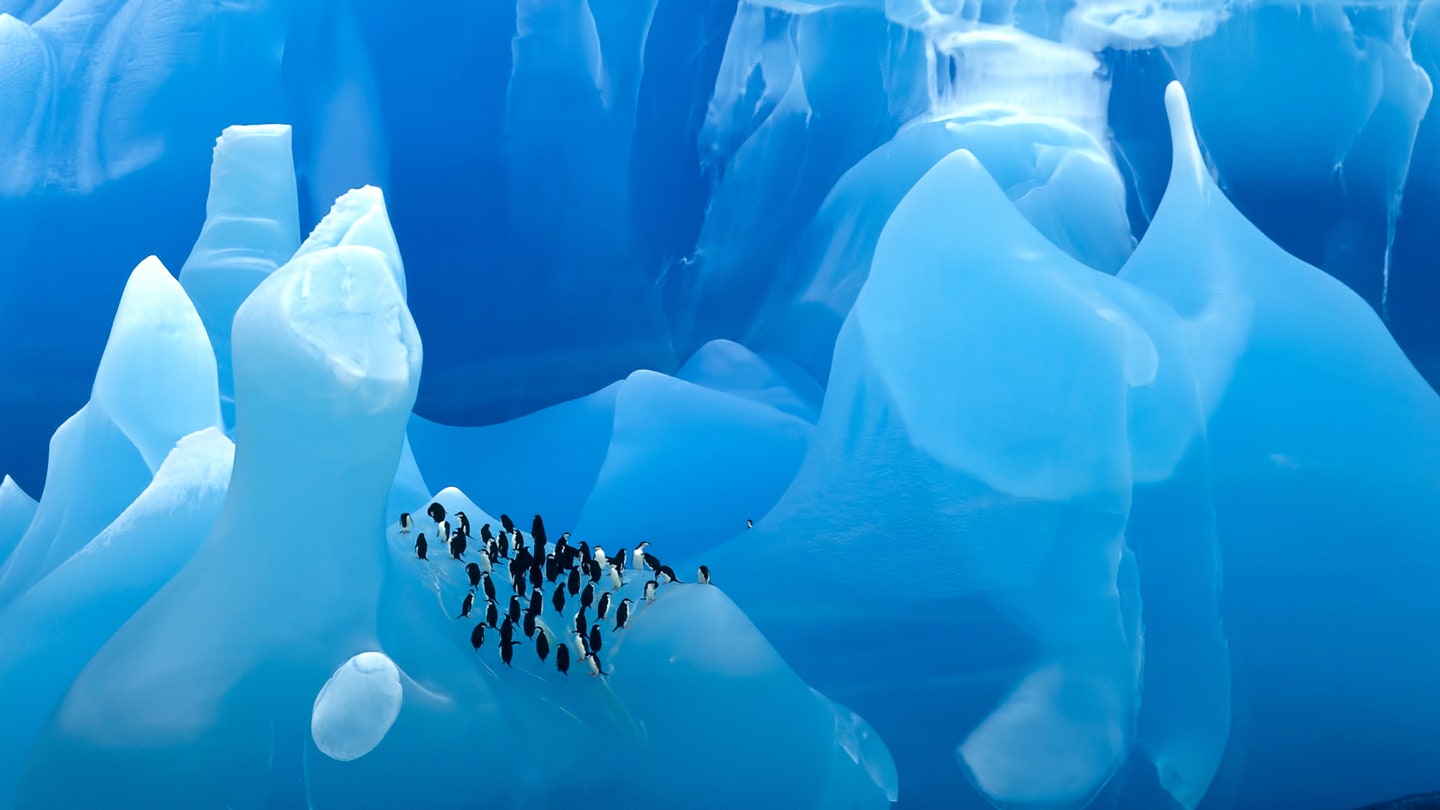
{"x": 723, "y": 143}
{"x": 1084, "y": 466}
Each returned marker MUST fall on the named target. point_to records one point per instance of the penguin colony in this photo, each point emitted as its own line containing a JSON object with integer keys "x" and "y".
{"x": 582, "y": 584}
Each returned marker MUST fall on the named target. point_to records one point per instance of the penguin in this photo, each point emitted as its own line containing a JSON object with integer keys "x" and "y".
{"x": 600, "y": 557}
{"x": 528, "y": 625}
{"x": 749, "y": 524}
{"x": 507, "y": 523}
{"x": 444, "y": 530}
{"x": 580, "y": 622}
{"x": 537, "y": 574}
{"x": 537, "y": 602}
{"x": 514, "y": 612}
{"x": 616, "y": 580}
{"x": 486, "y": 535}
{"x": 584, "y": 549}
{"x": 637, "y": 559}
{"x": 594, "y": 661}
{"x": 421, "y": 547}
{"x": 502, "y": 545}
{"x": 457, "y": 545}
{"x": 486, "y": 564}
{"x": 492, "y": 613}
{"x": 558, "y": 600}
{"x": 587, "y": 596}
{"x": 595, "y": 571}
{"x": 542, "y": 645}
{"x": 622, "y": 614}
{"x": 562, "y": 659}
{"x": 552, "y": 568}
{"x": 650, "y": 591}
{"x": 507, "y": 651}
{"x": 595, "y": 637}
{"x": 436, "y": 512}
{"x": 507, "y": 632}
{"x": 702, "y": 575}
{"x": 472, "y": 570}
{"x": 572, "y": 583}
{"x": 477, "y": 636}
{"x": 517, "y": 584}
{"x": 404, "y": 522}
{"x": 537, "y": 530}
{"x": 489, "y": 585}
{"x": 522, "y": 560}
{"x": 464, "y": 523}
{"x": 604, "y": 606}
{"x": 519, "y": 540}
{"x": 651, "y": 561}
{"x": 667, "y": 574}
{"x": 466, "y": 605}
{"x": 563, "y": 542}
{"x": 582, "y": 644}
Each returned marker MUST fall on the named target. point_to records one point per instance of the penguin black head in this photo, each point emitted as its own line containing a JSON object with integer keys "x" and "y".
{"x": 436, "y": 512}
{"x": 507, "y": 523}
{"x": 749, "y": 524}
{"x": 703, "y": 575}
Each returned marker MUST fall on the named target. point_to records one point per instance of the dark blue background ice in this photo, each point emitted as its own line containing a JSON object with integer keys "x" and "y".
{"x": 1079, "y": 480}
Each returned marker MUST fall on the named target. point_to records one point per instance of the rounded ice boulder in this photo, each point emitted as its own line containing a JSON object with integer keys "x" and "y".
{"x": 356, "y": 707}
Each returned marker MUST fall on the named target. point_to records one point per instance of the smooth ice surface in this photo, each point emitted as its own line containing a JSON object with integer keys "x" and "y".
{"x": 99, "y": 588}
{"x": 156, "y": 383}
{"x": 356, "y": 707}
{"x": 16, "y": 511}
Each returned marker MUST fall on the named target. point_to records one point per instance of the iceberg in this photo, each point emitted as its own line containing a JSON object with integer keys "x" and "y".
{"x": 313, "y": 636}
{"x": 1021, "y": 404}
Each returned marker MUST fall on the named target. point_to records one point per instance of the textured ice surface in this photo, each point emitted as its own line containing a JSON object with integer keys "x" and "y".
{"x": 252, "y": 226}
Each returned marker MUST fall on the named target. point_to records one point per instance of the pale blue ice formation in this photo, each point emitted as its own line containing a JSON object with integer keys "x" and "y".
{"x": 1069, "y": 359}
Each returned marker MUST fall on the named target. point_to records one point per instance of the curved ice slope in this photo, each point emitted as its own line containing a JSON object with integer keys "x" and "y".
{"x": 1310, "y": 397}
{"x": 156, "y": 383}
{"x": 98, "y": 589}
{"x": 16, "y": 511}
{"x": 1155, "y": 402}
